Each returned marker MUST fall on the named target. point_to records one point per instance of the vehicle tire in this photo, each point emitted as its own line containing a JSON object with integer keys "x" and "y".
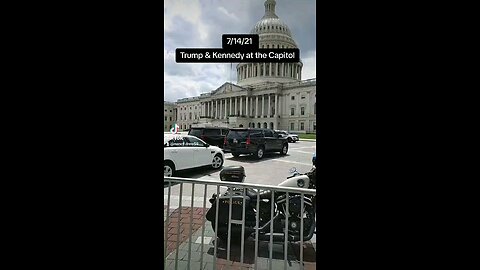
{"x": 284, "y": 150}
{"x": 168, "y": 169}
{"x": 217, "y": 161}
{"x": 260, "y": 152}
{"x": 290, "y": 140}
{"x": 235, "y": 155}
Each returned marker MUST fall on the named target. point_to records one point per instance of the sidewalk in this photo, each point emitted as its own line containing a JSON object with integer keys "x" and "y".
{"x": 202, "y": 256}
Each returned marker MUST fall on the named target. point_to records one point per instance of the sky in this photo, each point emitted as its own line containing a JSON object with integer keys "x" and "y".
{"x": 201, "y": 23}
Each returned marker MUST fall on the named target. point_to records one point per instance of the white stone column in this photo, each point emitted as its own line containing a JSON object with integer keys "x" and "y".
{"x": 276, "y": 108}
{"x": 264, "y": 70}
{"x": 263, "y": 105}
{"x": 300, "y": 73}
{"x": 269, "y": 106}
{"x": 241, "y": 107}
{"x": 280, "y": 100}
{"x": 256, "y": 108}
{"x": 270, "y": 69}
{"x": 216, "y": 109}
{"x": 230, "y": 111}
{"x": 225, "y": 112}
{"x": 236, "y": 106}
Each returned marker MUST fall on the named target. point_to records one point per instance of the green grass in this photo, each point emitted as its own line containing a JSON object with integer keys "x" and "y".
{"x": 308, "y": 136}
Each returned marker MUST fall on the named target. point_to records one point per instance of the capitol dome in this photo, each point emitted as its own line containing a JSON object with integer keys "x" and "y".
{"x": 273, "y": 33}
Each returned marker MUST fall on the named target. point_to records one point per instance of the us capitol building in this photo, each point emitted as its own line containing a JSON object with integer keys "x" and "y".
{"x": 267, "y": 95}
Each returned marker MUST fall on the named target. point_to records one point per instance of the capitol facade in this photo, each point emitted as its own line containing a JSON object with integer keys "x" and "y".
{"x": 266, "y": 95}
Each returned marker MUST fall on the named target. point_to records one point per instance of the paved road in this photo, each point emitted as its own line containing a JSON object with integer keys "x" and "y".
{"x": 271, "y": 170}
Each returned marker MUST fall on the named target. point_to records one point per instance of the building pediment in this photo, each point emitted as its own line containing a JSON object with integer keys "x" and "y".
{"x": 227, "y": 88}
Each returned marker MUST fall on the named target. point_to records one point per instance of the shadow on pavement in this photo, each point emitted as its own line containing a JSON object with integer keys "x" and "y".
{"x": 252, "y": 159}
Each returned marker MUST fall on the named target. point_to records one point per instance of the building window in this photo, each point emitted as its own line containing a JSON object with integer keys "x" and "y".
{"x": 190, "y": 116}
{"x": 302, "y": 110}
{"x": 292, "y": 111}
{"x": 165, "y": 110}
{"x": 293, "y": 97}
{"x": 292, "y": 126}
{"x": 303, "y": 97}
{"x": 302, "y": 126}
{"x": 165, "y": 118}
{"x": 170, "y": 110}
{"x": 170, "y": 118}
{"x": 314, "y": 126}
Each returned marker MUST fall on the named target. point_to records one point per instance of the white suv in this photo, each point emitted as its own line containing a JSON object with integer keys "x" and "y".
{"x": 185, "y": 152}
{"x": 290, "y": 137}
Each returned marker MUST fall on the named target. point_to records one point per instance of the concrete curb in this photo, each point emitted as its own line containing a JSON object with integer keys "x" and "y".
{"x": 308, "y": 140}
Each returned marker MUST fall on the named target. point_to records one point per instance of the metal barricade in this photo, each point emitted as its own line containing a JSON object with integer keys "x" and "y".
{"x": 176, "y": 182}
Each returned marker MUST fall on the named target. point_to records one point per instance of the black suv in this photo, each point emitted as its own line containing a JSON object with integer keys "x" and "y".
{"x": 211, "y": 135}
{"x": 255, "y": 141}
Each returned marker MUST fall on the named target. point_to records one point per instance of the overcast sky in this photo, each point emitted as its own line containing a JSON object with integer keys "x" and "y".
{"x": 201, "y": 23}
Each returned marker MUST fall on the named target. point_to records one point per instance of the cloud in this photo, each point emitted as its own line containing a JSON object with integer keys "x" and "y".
{"x": 201, "y": 23}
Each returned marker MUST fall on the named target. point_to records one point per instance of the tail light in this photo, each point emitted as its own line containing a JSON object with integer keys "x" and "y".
{"x": 248, "y": 140}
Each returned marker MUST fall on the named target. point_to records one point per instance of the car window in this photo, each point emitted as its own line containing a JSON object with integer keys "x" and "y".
{"x": 237, "y": 134}
{"x": 268, "y": 133}
{"x": 195, "y": 132}
{"x": 256, "y": 134}
{"x": 211, "y": 132}
{"x": 193, "y": 142}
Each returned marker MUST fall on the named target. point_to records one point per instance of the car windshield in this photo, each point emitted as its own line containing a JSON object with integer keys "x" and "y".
{"x": 237, "y": 134}
{"x": 195, "y": 132}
